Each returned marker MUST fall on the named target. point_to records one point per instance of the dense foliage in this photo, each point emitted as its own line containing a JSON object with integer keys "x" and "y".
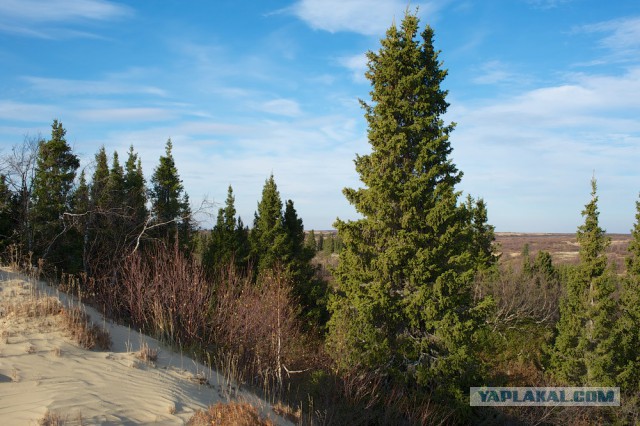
{"x": 404, "y": 302}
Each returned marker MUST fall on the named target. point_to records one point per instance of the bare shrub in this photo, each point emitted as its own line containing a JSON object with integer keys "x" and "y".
{"x": 258, "y": 323}
{"x": 520, "y": 296}
{"x": 52, "y": 419}
{"x": 166, "y": 293}
{"x": 88, "y": 335}
{"x": 35, "y": 307}
{"x": 232, "y": 414}
{"x": 55, "y": 419}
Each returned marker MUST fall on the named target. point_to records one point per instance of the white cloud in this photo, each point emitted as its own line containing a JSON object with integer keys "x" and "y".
{"x": 286, "y": 107}
{"x": 534, "y": 153}
{"x": 622, "y": 39}
{"x": 51, "y": 18}
{"x": 497, "y": 72}
{"x": 61, "y": 10}
{"x": 21, "y": 111}
{"x": 357, "y": 64}
{"x": 126, "y": 114}
{"x": 368, "y": 17}
{"x": 547, "y": 4}
{"x": 69, "y": 87}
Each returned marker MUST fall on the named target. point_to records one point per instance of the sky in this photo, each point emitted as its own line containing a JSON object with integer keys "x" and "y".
{"x": 545, "y": 94}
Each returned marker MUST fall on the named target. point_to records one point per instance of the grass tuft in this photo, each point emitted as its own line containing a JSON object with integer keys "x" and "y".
{"x": 83, "y": 331}
{"x": 232, "y": 413}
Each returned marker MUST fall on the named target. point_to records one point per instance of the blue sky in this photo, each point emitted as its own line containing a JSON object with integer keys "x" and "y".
{"x": 545, "y": 93}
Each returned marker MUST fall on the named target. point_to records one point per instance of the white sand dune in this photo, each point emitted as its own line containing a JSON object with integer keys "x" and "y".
{"x": 42, "y": 369}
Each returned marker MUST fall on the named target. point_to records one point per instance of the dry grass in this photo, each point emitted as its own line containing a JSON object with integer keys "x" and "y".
{"x": 147, "y": 354}
{"x": 563, "y": 247}
{"x": 35, "y": 307}
{"x": 55, "y": 419}
{"x": 230, "y": 414}
{"x": 286, "y": 411}
{"x": 88, "y": 335}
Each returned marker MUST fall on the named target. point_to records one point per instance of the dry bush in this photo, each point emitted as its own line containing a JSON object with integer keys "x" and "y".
{"x": 147, "y": 354}
{"x": 166, "y": 293}
{"x": 35, "y": 307}
{"x": 286, "y": 411}
{"x": 258, "y": 322}
{"x": 52, "y": 419}
{"x": 230, "y": 414}
{"x": 55, "y": 419}
{"x": 521, "y": 297}
{"x": 88, "y": 335}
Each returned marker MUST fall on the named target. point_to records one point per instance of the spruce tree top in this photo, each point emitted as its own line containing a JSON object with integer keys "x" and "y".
{"x": 409, "y": 140}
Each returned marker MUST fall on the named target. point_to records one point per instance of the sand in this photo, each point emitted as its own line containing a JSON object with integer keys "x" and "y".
{"x": 42, "y": 370}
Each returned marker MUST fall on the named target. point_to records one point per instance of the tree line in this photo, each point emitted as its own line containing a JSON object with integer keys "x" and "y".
{"x": 420, "y": 305}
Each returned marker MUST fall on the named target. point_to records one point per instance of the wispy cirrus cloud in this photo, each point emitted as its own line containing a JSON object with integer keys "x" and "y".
{"x": 498, "y": 72}
{"x": 286, "y": 107}
{"x": 621, "y": 37}
{"x": 51, "y": 18}
{"x": 360, "y": 16}
{"x": 71, "y": 87}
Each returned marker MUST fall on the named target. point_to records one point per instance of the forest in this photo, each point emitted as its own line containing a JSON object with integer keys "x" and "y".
{"x": 416, "y": 308}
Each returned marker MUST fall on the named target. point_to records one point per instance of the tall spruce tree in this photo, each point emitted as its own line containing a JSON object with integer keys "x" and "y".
{"x": 404, "y": 302}
{"x": 169, "y": 203}
{"x": 268, "y": 237}
{"x": 135, "y": 195}
{"x": 583, "y": 351}
{"x": 627, "y": 329}
{"x": 229, "y": 239}
{"x": 53, "y": 182}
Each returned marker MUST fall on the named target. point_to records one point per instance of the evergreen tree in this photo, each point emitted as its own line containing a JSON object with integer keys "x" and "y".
{"x": 482, "y": 235}
{"x": 404, "y": 302}
{"x": 135, "y": 195}
{"x": 169, "y": 203}
{"x": 99, "y": 182}
{"x": 627, "y": 329}
{"x": 320, "y": 246}
{"x": 583, "y": 349}
{"x": 80, "y": 207}
{"x": 309, "y": 291}
{"x": 53, "y": 182}
{"x": 268, "y": 236}
{"x": 229, "y": 239}
{"x": 310, "y": 241}
{"x": 98, "y": 250}
{"x": 6, "y": 214}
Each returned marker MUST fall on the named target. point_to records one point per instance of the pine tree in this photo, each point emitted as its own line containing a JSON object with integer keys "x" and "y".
{"x": 627, "y": 328}
{"x": 99, "y": 181}
{"x": 268, "y": 237}
{"x": 53, "y": 182}
{"x": 135, "y": 195}
{"x": 169, "y": 203}
{"x": 310, "y": 292}
{"x": 482, "y": 235}
{"x": 229, "y": 239}
{"x": 6, "y": 214}
{"x": 310, "y": 241}
{"x": 404, "y": 302}
{"x": 583, "y": 351}
{"x": 80, "y": 205}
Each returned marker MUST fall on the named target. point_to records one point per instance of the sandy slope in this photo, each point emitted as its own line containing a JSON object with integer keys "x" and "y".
{"x": 42, "y": 369}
